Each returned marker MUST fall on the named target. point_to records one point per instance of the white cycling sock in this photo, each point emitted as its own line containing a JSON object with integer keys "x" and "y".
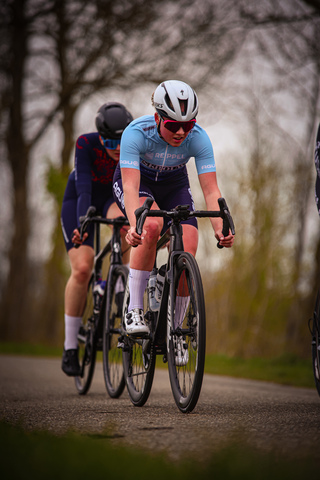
{"x": 182, "y": 304}
{"x": 71, "y": 328}
{"x": 138, "y": 280}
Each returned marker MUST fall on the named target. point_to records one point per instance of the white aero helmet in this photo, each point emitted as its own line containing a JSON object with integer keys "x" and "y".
{"x": 176, "y": 100}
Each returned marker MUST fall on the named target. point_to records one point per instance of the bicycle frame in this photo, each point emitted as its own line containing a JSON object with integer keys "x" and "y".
{"x": 178, "y": 328}
{"x": 91, "y": 336}
{"x": 176, "y": 247}
{"x": 113, "y": 246}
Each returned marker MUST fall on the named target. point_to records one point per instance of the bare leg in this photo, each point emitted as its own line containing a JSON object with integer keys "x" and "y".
{"x": 81, "y": 260}
{"x": 143, "y": 256}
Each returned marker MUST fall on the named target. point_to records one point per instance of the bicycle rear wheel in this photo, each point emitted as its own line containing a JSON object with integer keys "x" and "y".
{"x": 186, "y": 334}
{"x": 112, "y": 317}
{"x": 139, "y": 361}
{"x": 316, "y": 343}
{"x": 87, "y": 345}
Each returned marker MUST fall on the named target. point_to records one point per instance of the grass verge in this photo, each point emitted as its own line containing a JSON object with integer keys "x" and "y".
{"x": 286, "y": 370}
{"x": 40, "y": 455}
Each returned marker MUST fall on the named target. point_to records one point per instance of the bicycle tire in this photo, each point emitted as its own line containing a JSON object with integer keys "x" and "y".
{"x": 112, "y": 318}
{"x": 190, "y": 327}
{"x": 87, "y": 345}
{"x": 139, "y": 361}
{"x": 315, "y": 345}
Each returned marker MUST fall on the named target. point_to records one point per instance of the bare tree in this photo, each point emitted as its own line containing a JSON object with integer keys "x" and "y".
{"x": 62, "y": 52}
{"x": 292, "y": 29}
{"x": 58, "y": 54}
{"x": 15, "y": 27}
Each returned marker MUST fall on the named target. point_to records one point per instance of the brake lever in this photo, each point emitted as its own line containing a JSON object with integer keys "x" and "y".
{"x": 227, "y": 220}
{"x": 141, "y": 214}
{"x": 84, "y": 220}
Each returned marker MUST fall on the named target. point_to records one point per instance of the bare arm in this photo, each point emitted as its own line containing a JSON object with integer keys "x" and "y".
{"x": 211, "y": 192}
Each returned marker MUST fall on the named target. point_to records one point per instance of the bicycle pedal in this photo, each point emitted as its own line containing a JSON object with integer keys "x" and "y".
{"x": 138, "y": 336}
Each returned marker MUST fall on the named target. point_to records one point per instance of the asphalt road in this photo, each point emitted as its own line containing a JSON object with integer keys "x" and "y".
{"x": 36, "y": 394}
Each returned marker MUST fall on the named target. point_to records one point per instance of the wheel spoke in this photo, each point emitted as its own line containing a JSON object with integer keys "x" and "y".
{"x": 112, "y": 317}
{"x": 187, "y": 345}
{"x": 87, "y": 348}
{"x": 139, "y": 364}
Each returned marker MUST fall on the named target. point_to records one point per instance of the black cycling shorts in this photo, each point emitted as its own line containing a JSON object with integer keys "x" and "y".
{"x": 167, "y": 194}
{"x": 69, "y": 220}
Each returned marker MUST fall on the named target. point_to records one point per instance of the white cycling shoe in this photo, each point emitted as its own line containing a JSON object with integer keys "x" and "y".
{"x": 181, "y": 351}
{"x": 135, "y": 323}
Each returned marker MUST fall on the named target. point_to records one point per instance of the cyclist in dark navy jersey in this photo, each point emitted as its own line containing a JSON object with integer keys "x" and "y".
{"x": 153, "y": 157}
{"x": 317, "y": 163}
{"x": 90, "y": 183}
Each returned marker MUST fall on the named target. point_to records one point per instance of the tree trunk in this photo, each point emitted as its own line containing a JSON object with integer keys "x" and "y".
{"x": 52, "y": 310}
{"x": 14, "y": 304}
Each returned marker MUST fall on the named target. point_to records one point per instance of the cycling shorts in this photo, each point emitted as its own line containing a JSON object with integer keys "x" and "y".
{"x": 167, "y": 194}
{"x": 69, "y": 220}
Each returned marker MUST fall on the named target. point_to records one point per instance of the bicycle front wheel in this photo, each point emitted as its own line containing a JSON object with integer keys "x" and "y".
{"x": 87, "y": 345}
{"x": 112, "y": 316}
{"x": 139, "y": 361}
{"x": 316, "y": 343}
{"x": 186, "y": 335}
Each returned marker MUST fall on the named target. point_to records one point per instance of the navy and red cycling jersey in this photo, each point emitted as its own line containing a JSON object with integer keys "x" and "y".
{"x": 89, "y": 183}
{"x": 93, "y": 173}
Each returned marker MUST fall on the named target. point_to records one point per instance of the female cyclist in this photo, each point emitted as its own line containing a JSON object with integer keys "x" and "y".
{"x": 153, "y": 157}
{"x": 90, "y": 183}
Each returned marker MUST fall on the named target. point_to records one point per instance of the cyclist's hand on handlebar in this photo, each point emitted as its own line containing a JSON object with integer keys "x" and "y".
{"x": 226, "y": 242}
{"x": 76, "y": 239}
{"x": 133, "y": 238}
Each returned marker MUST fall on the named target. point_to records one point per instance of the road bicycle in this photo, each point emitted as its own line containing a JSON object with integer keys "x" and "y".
{"x": 315, "y": 342}
{"x": 177, "y": 320}
{"x": 101, "y": 320}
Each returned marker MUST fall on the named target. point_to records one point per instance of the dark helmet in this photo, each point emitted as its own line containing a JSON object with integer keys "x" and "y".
{"x": 111, "y": 119}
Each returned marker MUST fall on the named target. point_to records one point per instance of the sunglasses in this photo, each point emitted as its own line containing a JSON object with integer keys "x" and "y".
{"x": 173, "y": 126}
{"x": 111, "y": 144}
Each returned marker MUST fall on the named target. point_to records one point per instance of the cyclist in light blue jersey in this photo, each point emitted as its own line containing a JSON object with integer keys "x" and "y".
{"x": 159, "y": 160}
{"x": 153, "y": 156}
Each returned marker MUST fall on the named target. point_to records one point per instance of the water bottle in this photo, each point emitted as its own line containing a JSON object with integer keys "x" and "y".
{"x": 160, "y": 282}
{"x": 98, "y": 291}
{"x": 153, "y": 304}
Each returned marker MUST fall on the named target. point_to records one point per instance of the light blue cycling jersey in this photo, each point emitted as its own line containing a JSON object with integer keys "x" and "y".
{"x": 142, "y": 148}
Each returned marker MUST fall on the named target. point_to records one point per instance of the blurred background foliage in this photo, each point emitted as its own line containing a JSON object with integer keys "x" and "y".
{"x": 256, "y": 69}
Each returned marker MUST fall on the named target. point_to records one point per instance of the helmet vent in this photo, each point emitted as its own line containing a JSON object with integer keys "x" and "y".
{"x": 183, "y": 107}
{"x": 168, "y": 102}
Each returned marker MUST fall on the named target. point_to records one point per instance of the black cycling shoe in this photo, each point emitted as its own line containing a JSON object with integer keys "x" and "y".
{"x": 70, "y": 362}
